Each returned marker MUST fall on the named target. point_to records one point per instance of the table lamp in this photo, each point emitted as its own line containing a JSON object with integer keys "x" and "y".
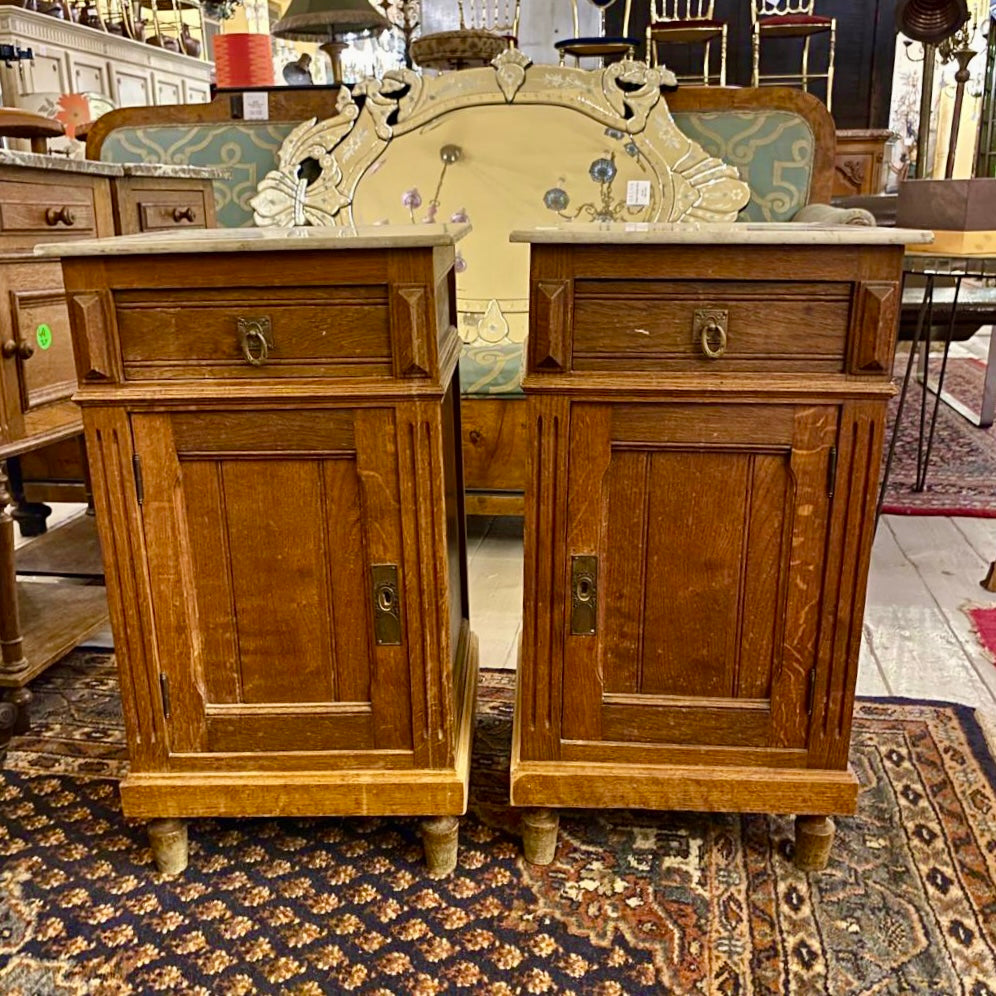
{"x": 326, "y": 20}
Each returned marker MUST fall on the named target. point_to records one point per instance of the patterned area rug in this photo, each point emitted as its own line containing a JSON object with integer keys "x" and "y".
{"x": 984, "y": 623}
{"x": 961, "y": 479}
{"x": 634, "y": 902}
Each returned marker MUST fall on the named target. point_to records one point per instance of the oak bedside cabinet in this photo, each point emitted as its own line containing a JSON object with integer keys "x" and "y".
{"x": 46, "y": 199}
{"x": 706, "y": 407}
{"x": 272, "y": 424}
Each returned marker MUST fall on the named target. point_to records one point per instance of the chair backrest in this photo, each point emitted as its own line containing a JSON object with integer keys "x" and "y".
{"x": 602, "y": 6}
{"x": 769, "y": 8}
{"x": 683, "y": 10}
{"x": 499, "y": 16}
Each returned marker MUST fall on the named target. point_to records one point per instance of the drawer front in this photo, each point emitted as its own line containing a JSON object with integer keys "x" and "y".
{"x": 37, "y": 362}
{"x": 146, "y": 207}
{"x": 284, "y": 332}
{"x": 45, "y": 211}
{"x": 727, "y": 324}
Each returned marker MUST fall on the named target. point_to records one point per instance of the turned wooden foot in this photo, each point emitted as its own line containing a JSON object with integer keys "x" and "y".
{"x": 8, "y": 716}
{"x": 539, "y": 835}
{"x": 168, "y": 839}
{"x": 30, "y": 517}
{"x": 439, "y": 838}
{"x": 989, "y": 581}
{"x": 813, "y": 840}
{"x": 20, "y": 699}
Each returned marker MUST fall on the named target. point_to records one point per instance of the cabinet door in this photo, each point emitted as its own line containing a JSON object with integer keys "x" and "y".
{"x": 708, "y": 523}
{"x": 265, "y": 534}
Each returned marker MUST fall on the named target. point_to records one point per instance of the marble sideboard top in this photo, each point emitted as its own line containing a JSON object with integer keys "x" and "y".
{"x": 733, "y": 233}
{"x": 58, "y": 164}
{"x": 262, "y": 240}
{"x": 62, "y": 164}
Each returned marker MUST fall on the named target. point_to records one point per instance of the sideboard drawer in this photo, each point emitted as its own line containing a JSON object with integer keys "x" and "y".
{"x": 46, "y": 210}
{"x": 148, "y": 208}
{"x": 754, "y": 325}
{"x": 282, "y": 332}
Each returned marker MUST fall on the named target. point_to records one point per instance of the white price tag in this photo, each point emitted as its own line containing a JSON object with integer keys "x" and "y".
{"x": 256, "y": 106}
{"x": 638, "y": 193}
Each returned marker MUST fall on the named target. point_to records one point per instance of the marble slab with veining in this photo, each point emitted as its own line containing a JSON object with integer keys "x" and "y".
{"x": 732, "y": 233}
{"x": 62, "y": 164}
{"x": 262, "y": 240}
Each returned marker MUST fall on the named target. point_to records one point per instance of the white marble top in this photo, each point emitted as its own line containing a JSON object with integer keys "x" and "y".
{"x": 63, "y": 164}
{"x": 58, "y": 164}
{"x": 176, "y": 171}
{"x": 262, "y": 240}
{"x": 732, "y": 233}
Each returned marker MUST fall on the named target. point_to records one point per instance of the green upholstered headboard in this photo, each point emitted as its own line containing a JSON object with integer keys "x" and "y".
{"x": 248, "y": 149}
{"x": 772, "y": 149}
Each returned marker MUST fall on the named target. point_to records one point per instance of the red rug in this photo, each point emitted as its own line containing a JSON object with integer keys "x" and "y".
{"x": 962, "y": 475}
{"x": 984, "y": 620}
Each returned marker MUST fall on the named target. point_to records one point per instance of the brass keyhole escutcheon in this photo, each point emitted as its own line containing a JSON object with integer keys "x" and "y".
{"x": 386, "y": 605}
{"x": 709, "y": 327}
{"x": 584, "y": 595}
{"x": 256, "y": 340}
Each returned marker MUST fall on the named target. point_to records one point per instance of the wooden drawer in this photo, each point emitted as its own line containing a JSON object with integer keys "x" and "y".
{"x": 45, "y": 212}
{"x": 203, "y": 332}
{"x": 658, "y": 325}
{"x": 148, "y": 206}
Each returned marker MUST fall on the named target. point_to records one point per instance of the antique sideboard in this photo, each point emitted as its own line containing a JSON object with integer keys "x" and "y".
{"x": 706, "y": 408}
{"x": 48, "y": 198}
{"x": 272, "y": 424}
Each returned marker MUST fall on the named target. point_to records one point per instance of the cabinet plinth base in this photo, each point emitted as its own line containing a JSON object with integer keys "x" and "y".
{"x": 731, "y": 789}
{"x": 329, "y": 792}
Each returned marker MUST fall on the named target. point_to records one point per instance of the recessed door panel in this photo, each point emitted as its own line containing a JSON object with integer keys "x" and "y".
{"x": 271, "y": 627}
{"x": 706, "y": 632}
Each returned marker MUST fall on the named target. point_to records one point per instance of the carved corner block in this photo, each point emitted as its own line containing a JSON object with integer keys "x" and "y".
{"x": 411, "y": 330}
{"x": 91, "y": 334}
{"x": 874, "y": 329}
{"x": 549, "y": 325}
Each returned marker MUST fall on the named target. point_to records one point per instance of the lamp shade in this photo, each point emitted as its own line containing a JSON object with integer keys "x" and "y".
{"x": 306, "y": 20}
{"x": 930, "y": 21}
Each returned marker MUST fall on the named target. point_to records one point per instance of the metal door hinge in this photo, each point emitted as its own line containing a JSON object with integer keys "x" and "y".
{"x": 584, "y": 595}
{"x": 164, "y": 691}
{"x": 832, "y": 472}
{"x": 136, "y": 463}
{"x": 811, "y": 692}
{"x": 386, "y": 605}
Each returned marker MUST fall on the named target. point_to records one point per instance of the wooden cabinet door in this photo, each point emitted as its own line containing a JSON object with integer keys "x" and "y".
{"x": 262, "y": 530}
{"x": 708, "y": 523}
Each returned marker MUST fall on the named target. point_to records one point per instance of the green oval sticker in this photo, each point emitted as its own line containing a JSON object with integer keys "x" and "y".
{"x": 43, "y": 336}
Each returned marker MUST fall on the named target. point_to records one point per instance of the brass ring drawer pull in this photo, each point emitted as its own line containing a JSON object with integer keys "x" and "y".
{"x": 22, "y": 350}
{"x": 255, "y": 339}
{"x": 713, "y": 340}
{"x": 53, "y": 216}
{"x": 709, "y": 327}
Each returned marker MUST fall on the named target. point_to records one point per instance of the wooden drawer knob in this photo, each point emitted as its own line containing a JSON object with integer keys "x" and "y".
{"x": 22, "y": 350}
{"x": 63, "y": 215}
{"x": 184, "y": 214}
